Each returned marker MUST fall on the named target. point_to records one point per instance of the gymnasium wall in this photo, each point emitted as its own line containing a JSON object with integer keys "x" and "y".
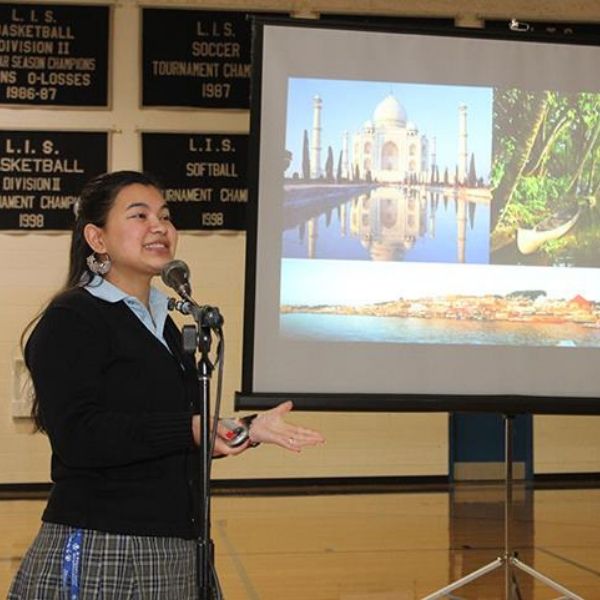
{"x": 34, "y": 266}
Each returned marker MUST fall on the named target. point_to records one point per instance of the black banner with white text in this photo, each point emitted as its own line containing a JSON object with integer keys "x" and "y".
{"x": 42, "y": 174}
{"x": 54, "y": 55}
{"x": 195, "y": 58}
{"x": 205, "y": 177}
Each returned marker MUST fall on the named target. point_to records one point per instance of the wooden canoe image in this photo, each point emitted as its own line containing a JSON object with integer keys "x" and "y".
{"x": 551, "y": 228}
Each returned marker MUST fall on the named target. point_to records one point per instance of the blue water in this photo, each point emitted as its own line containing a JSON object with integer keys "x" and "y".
{"x": 351, "y": 328}
{"x": 387, "y": 223}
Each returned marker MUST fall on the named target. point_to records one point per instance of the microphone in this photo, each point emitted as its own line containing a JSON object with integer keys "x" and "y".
{"x": 176, "y": 275}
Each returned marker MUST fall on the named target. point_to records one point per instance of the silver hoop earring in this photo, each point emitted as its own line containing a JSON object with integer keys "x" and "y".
{"x": 99, "y": 267}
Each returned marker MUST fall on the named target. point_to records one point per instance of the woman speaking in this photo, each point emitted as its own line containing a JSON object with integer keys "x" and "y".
{"x": 118, "y": 399}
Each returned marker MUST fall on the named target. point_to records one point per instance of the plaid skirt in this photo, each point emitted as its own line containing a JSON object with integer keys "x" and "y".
{"x": 111, "y": 567}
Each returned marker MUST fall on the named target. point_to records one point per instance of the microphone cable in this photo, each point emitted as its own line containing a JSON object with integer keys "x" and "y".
{"x": 220, "y": 363}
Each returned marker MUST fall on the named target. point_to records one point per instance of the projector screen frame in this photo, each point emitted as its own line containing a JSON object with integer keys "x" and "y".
{"x": 247, "y": 398}
{"x": 417, "y": 403}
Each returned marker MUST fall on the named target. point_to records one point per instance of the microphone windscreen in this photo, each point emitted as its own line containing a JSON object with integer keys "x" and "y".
{"x": 176, "y": 274}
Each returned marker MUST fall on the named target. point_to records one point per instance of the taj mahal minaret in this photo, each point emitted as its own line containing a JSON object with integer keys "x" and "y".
{"x": 462, "y": 144}
{"x": 315, "y": 145}
{"x": 345, "y": 157}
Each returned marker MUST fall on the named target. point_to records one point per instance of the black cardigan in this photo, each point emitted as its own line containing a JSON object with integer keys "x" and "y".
{"x": 117, "y": 408}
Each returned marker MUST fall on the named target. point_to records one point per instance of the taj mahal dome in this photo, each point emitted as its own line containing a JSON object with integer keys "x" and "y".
{"x": 390, "y": 146}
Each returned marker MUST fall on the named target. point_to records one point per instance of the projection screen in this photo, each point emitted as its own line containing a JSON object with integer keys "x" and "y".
{"x": 427, "y": 223}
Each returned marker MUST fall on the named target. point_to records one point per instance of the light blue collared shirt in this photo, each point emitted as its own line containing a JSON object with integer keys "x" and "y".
{"x": 153, "y": 319}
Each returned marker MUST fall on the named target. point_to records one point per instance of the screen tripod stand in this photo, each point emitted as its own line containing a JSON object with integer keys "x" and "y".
{"x": 508, "y": 560}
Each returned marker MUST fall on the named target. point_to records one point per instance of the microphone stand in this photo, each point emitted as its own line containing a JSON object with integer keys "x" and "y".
{"x": 198, "y": 338}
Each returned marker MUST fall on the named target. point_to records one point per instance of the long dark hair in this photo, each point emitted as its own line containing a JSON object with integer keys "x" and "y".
{"x": 93, "y": 206}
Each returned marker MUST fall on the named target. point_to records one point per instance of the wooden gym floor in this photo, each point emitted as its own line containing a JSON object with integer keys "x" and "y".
{"x": 384, "y": 546}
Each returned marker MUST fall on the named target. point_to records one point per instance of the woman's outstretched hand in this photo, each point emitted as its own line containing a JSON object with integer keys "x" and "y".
{"x": 270, "y": 427}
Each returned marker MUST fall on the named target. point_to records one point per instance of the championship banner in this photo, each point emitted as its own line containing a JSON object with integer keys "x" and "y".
{"x": 204, "y": 177}
{"x": 42, "y": 174}
{"x": 54, "y": 55}
{"x": 195, "y": 58}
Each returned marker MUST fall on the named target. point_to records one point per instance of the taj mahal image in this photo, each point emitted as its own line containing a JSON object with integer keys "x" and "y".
{"x": 388, "y": 148}
{"x": 369, "y": 179}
